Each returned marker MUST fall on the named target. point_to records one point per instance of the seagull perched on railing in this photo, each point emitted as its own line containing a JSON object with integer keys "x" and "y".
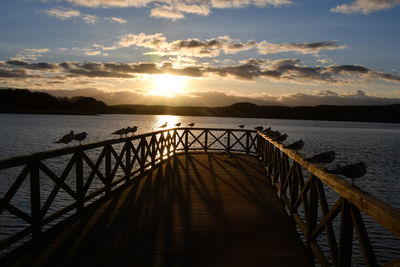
{"x": 164, "y": 125}
{"x": 178, "y": 124}
{"x": 241, "y": 126}
{"x": 296, "y": 145}
{"x": 324, "y": 157}
{"x": 133, "y": 130}
{"x": 259, "y": 128}
{"x": 280, "y": 138}
{"x": 120, "y": 132}
{"x": 191, "y": 124}
{"x": 267, "y": 130}
{"x": 80, "y": 136}
{"x": 273, "y": 134}
{"x": 66, "y": 138}
{"x": 352, "y": 171}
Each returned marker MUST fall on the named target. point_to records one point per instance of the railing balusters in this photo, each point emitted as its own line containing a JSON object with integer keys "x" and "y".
{"x": 107, "y": 157}
{"x": 35, "y": 200}
{"x": 345, "y": 235}
{"x": 79, "y": 181}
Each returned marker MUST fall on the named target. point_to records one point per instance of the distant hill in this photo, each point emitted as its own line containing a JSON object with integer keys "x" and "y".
{"x": 25, "y": 101}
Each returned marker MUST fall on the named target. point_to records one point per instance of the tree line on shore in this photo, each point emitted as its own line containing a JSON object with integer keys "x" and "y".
{"x": 25, "y": 101}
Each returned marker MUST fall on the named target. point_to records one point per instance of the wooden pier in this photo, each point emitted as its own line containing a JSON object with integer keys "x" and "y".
{"x": 188, "y": 197}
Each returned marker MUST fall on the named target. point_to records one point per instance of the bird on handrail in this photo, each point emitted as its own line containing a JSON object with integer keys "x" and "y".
{"x": 324, "y": 157}
{"x": 259, "y": 128}
{"x": 296, "y": 145}
{"x": 80, "y": 137}
{"x": 241, "y": 126}
{"x": 352, "y": 171}
{"x": 280, "y": 138}
{"x": 267, "y": 130}
{"x": 164, "y": 125}
{"x": 133, "y": 130}
{"x": 66, "y": 138}
{"x": 122, "y": 131}
{"x": 273, "y": 134}
{"x": 191, "y": 124}
{"x": 178, "y": 124}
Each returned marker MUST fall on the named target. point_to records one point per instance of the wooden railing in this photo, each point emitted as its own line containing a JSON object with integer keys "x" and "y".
{"x": 100, "y": 169}
{"x": 305, "y": 199}
{"x": 83, "y": 175}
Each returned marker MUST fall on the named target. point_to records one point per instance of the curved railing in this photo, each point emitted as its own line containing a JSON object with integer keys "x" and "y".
{"x": 80, "y": 175}
{"x": 306, "y": 201}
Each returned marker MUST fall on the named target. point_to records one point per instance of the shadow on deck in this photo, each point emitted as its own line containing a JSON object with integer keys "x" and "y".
{"x": 195, "y": 210}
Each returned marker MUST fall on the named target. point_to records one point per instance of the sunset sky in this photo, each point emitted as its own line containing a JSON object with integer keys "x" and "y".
{"x": 204, "y": 52}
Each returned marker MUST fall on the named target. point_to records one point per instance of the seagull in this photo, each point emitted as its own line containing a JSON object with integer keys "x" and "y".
{"x": 324, "y": 157}
{"x": 80, "y": 136}
{"x": 280, "y": 138}
{"x": 267, "y": 130}
{"x": 133, "y": 130}
{"x": 241, "y": 126}
{"x": 178, "y": 124}
{"x": 66, "y": 138}
{"x": 296, "y": 145}
{"x": 191, "y": 124}
{"x": 164, "y": 125}
{"x": 352, "y": 171}
{"x": 120, "y": 132}
{"x": 273, "y": 134}
{"x": 259, "y": 128}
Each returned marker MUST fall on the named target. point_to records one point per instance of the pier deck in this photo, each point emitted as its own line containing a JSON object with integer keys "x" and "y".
{"x": 196, "y": 209}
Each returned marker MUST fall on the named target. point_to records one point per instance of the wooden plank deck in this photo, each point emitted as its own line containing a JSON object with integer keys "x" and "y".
{"x": 196, "y": 210}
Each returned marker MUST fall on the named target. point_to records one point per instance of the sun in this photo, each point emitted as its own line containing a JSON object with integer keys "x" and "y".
{"x": 167, "y": 84}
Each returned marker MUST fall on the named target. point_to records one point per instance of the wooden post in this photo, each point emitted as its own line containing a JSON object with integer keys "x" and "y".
{"x": 312, "y": 211}
{"x": 142, "y": 154}
{"x": 228, "y": 142}
{"x": 128, "y": 161}
{"x": 79, "y": 181}
{"x": 346, "y": 236}
{"x": 186, "y": 140}
{"x": 248, "y": 141}
{"x": 108, "y": 168}
{"x": 35, "y": 200}
{"x": 206, "y": 140}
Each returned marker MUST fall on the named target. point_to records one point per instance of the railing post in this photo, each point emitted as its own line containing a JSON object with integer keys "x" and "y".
{"x": 174, "y": 140}
{"x": 186, "y": 140}
{"x": 142, "y": 154}
{"x": 248, "y": 141}
{"x": 128, "y": 161}
{"x": 313, "y": 210}
{"x": 79, "y": 181}
{"x": 228, "y": 142}
{"x": 345, "y": 236}
{"x": 108, "y": 168}
{"x": 35, "y": 200}
{"x": 206, "y": 140}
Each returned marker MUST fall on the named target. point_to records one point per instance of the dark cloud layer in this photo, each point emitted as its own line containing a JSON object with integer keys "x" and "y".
{"x": 286, "y": 69}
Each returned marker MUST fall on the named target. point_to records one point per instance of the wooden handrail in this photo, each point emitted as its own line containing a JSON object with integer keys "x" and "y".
{"x": 288, "y": 176}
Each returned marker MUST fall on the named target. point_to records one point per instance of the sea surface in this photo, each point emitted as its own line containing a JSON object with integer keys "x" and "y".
{"x": 377, "y": 144}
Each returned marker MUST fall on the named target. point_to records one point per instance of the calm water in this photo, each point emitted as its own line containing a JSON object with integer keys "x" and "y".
{"x": 377, "y": 144}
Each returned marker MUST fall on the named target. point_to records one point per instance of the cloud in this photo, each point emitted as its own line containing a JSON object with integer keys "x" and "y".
{"x": 66, "y": 13}
{"x": 265, "y": 47}
{"x": 176, "y": 9}
{"x": 365, "y": 7}
{"x": 93, "y": 53}
{"x": 284, "y": 69}
{"x": 30, "y": 54}
{"x": 62, "y": 13}
{"x": 116, "y": 20}
{"x": 189, "y": 47}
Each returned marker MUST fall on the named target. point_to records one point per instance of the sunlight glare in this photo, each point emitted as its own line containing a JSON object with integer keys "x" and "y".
{"x": 167, "y": 84}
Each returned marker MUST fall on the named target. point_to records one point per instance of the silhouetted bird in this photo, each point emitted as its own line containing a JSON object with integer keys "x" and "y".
{"x": 164, "y": 125}
{"x": 280, "y": 138}
{"x": 80, "y": 136}
{"x": 267, "y": 130}
{"x": 241, "y": 126}
{"x": 120, "y": 132}
{"x": 178, "y": 124}
{"x": 352, "y": 171}
{"x": 273, "y": 134}
{"x": 133, "y": 130}
{"x": 259, "y": 128}
{"x": 324, "y": 157}
{"x": 191, "y": 124}
{"x": 296, "y": 145}
{"x": 66, "y": 138}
